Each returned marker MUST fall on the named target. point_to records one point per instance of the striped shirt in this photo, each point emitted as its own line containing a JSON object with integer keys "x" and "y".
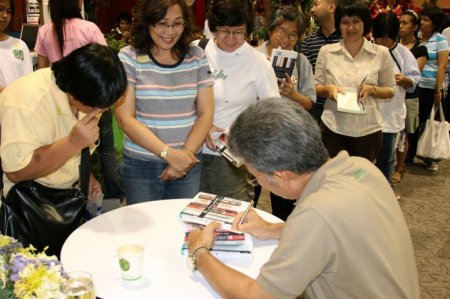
{"x": 311, "y": 46}
{"x": 165, "y": 96}
{"x": 435, "y": 44}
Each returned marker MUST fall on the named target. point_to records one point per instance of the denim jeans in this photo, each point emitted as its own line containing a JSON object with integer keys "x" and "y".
{"x": 386, "y": 156}
{"x": 142, "y": 183}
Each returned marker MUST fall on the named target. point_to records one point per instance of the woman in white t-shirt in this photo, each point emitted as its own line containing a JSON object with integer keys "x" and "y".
{"x": 15, "y": 59}
{"x": 241, "y": 75}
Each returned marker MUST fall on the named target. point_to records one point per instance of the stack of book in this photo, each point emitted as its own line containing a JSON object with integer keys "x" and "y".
{"x": 205, "y": 208}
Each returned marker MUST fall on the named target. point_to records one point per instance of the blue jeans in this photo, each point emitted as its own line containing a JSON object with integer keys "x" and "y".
{"x": 142, "y": 183}
{"x": 386, "y": 156}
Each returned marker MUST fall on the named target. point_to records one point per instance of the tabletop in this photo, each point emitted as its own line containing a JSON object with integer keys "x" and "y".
{"x": 154, "y": 225}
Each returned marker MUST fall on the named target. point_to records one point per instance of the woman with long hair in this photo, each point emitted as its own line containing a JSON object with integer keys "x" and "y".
{"x": 67, "y": 32}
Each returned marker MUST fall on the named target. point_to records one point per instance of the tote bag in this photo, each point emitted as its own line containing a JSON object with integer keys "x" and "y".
{"x": 435, "y": 141}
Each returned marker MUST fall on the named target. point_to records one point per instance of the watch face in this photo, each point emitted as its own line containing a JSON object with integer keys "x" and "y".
{"x": 163, "y": 153}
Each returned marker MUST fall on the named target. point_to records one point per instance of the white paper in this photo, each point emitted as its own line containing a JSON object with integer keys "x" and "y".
{"x": 348, "y": 103}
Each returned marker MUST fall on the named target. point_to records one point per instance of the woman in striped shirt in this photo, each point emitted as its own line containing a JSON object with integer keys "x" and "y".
{"x": 168, "y": 108}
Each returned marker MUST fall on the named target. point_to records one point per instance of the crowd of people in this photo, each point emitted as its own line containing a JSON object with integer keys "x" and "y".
{"x": 173, "y": 97}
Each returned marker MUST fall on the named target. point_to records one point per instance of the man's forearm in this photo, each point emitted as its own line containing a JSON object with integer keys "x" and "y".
{"x": 228, "y": 282}
{"x": 46, "y": 160}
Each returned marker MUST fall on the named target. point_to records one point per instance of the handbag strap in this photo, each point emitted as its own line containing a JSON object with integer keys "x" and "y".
{"x": 85, "y": 170}
{"x": 441, "y": 112}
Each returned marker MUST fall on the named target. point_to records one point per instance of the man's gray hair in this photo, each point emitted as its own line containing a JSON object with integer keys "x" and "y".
{"x": 276, "y": 135}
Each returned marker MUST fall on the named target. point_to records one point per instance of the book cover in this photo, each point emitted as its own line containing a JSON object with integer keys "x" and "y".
{"x": 205, "y": 208}
{"x": 242, "y": 250}
{"x": 221, "y": 237}
{"x": 283, "y": 62}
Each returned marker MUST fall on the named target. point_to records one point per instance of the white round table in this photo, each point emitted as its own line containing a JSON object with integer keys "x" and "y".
{"x": 155, "y": 226}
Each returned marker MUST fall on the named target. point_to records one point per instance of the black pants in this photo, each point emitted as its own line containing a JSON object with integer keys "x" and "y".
{"x": 281, "y": 207}
{"x": 108, "y": 161}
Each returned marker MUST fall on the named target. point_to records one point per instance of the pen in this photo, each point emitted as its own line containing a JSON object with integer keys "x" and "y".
{"x": 246, "y": 212}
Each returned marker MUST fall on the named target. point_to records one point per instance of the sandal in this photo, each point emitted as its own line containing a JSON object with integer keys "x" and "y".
{"x": 396, "y": 177}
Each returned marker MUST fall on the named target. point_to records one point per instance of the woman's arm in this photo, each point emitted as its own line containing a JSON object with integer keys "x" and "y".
{"x": 204, "y": 122}
{"x": 43, "y": 62}
{"x": 305, "y": 92}
{"x": 125, "y": 110}
{"x": 421, "y": 61}
{"x": 328, "y": 91}
{"x": 442, "y": 67}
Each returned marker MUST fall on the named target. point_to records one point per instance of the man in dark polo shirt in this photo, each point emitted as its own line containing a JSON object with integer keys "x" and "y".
{"x": 323, "y": 13}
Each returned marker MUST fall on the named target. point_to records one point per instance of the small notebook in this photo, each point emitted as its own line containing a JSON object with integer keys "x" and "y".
{"x": 349, "y": 103}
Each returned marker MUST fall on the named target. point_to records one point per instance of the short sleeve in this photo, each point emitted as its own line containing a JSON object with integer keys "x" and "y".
{"x": 306, "y": 79}
{"x": 204, "y": 72}
{"x": 97, "y": 36}
{"x": 386, "y": 76}
{"x": 23, "y": 131}
{"x": 320, "y": 71}
{"x": 421, "y": 51}
{"x": 128, "y": 58}
{"x": 266, "y": 81}
{"x": 39, "y": 48}
{"x": 442, "y": 44}
{"x": 295, "y": 263}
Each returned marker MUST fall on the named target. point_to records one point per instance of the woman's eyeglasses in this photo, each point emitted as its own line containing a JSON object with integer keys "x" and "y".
{"x": 163, "y": 26}
{"x": 235, "y": 34}
{"x": 283, "y": 33}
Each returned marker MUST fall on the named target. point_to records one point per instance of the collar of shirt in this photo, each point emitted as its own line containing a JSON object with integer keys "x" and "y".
{"x": 367, "y": 46}
{"x": 333, "y": 35}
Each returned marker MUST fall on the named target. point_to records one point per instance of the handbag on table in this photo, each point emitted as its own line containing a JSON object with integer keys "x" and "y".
{"x": 434, "y": 142}
{"x": 44, "y": 216}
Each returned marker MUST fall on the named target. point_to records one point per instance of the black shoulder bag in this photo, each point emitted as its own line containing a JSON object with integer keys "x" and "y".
{"x": 43, "y": 216}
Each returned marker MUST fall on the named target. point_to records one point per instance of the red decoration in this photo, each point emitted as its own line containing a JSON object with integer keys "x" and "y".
{"x": 382, "y": 6}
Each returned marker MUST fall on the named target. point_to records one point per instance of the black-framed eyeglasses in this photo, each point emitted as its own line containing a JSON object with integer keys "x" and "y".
{"x": 251, "y": 179}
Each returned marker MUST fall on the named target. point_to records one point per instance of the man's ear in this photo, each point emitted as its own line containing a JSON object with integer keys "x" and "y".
{"x": 332, "y": 6}
{"x": 285, "y": 175}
